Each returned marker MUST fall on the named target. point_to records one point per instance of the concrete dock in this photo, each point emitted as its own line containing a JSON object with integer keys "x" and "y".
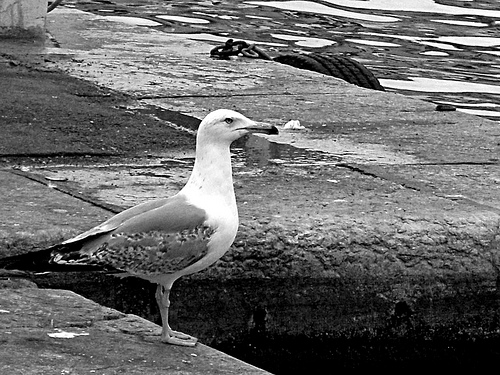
{"x": 46, "y": 331}
{"x": 381, "y": 202}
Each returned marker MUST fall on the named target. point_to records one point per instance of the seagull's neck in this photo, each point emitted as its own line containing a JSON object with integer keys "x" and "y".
{"x": 211, "y": 178}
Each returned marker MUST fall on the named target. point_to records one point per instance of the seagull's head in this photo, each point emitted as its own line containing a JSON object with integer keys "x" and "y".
{"x": 225, "y": 126}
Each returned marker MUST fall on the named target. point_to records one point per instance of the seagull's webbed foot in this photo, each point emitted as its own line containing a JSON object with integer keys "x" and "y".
{"x": 178, "y": 338}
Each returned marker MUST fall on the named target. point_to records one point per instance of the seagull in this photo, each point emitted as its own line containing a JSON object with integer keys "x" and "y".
{"x": 164, "y": 239}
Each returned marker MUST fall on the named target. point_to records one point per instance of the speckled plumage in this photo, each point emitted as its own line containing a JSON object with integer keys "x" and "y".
{"x": 148, "y": 253}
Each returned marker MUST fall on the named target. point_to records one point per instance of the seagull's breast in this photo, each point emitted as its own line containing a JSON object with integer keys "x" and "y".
{"x": 222, "y": 217}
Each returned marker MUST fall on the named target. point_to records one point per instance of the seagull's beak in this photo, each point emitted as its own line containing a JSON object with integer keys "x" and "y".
{"x": 261, "y": 127}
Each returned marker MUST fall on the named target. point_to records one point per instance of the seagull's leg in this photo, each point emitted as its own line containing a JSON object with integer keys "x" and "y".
{"x": 167, "y": 334}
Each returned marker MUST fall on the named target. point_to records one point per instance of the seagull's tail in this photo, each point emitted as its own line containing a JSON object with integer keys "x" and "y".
{"x": 43, "y": 261}
{"x": 32, "y": 261}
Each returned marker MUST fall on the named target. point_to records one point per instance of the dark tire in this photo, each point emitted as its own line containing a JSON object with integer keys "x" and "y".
{"x": 336, "y": 66}
{"x": 302, "y": 62}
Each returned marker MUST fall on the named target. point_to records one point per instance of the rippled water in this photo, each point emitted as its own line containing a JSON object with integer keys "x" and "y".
{"x": 444, "y": 51}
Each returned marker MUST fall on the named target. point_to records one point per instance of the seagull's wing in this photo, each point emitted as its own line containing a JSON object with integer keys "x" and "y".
{"x": 160, "y": 240}
{"x": 118, "y": 219}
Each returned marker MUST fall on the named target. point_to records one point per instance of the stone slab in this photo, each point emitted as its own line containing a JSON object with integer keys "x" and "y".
{"x": 56, "y": 331}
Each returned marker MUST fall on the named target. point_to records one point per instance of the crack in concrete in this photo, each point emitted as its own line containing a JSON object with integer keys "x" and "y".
{"x": 58, "y": 154}
{"x": 42, "y": 180}
{"x": 412, "y": 185}
{"x": 458, "y": 163}
{"x": 214, "y": 95}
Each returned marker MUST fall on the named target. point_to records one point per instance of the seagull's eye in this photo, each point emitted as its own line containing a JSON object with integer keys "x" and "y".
{"x": 228, "y": 120}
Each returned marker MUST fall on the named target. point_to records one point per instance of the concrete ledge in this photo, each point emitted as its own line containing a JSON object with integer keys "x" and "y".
{"x": 55, "y": 331}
